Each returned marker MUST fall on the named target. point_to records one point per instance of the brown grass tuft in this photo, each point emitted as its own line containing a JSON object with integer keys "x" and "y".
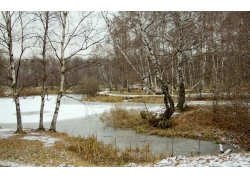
{"x": 120, "y": 117}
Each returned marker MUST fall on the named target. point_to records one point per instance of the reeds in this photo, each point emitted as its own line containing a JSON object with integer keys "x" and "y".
{"x": 99, "y": 153}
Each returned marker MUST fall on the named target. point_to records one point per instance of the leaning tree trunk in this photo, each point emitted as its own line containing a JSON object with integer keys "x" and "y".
{"x": 54, "y": 120}
{"x": 168, "y": 101}
{"x": 59, "y": 97}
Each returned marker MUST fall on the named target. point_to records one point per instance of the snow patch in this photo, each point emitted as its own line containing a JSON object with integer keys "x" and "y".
{"x": 5, "y": 133}
{"x": 224, "y": 160}
{"x": 48, "y": 141}
{"x": 14, "y": 164}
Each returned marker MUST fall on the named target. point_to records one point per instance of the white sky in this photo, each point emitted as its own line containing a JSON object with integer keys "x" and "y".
{"x": 129, "y": 5}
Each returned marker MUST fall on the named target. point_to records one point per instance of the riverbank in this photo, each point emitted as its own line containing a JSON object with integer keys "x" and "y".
{"x": 71, "y": 110}
{"x": 48, "y": 149}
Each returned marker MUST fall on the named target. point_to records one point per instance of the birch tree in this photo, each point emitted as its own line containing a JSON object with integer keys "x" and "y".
{"x": 13, "y": 28}
{"x": 78, "y": 34}
{"x": 142, "y": 26}
{"x": 43, "y": 18}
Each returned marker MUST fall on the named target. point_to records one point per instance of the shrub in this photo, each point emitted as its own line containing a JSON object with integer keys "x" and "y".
{"x": 88, "y": 86}
{"x": 122, "y": 118}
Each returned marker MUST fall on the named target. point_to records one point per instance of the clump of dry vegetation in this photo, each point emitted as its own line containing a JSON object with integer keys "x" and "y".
{"x": 120, "y": 117}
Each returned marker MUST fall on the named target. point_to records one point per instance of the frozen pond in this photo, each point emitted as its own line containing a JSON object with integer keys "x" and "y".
{"x": 82, "y": 118}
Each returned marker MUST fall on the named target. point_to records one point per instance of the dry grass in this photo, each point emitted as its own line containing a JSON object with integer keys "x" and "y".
{"x": 98, "y": 153}
{"x": 148, "y": 99}
{"x": 71, "y": 151}
{"x": 34, "y": 152}
{"x": 32, "y": 91}
{"x": 126, "y": 93}
{"x": 202, "y": 123}
{"x": 104, "y": 98}
{"x": 120, "y": 117}
{"x": 231, "y": 122}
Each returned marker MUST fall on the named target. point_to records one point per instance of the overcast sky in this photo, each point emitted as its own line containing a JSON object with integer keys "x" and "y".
{"x": 129, "y": 5}
{"x": 92, "y": 28}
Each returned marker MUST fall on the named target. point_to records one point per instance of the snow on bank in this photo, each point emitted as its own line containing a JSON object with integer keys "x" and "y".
{"x": 223, "y": 160}
{"x": 5, "y": 133}
{"x": 5, "y": 163}
{"x": 45, "y": 139}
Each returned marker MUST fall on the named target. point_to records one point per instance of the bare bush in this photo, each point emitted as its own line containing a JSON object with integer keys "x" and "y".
{"x": 88, "y": 86}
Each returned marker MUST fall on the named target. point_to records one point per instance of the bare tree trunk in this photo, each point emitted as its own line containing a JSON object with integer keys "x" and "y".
{"x": 203, "y": 74}
{"x": 180, "y": 79}
{"x": 44, "y": 61}
{"x": 127, "y": 80}
{"x": 63, "y": 68}
{"x": 103, "y": 74}
{"x": 7, "y": 17}
{"x": 110, "y": 77}
{"x": 168, "y": 101}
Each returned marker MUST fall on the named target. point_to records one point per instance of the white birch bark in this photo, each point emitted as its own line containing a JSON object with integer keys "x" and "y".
{"x": 62, "y": 76}
{"x": 76, "y": 36}
{"x": 168, "y": 101}
{"x": 180, "y": 59}
{"x": 45, "y": 22}
{"x": 7, "y": 16}
{"x": 107, "y": 81}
